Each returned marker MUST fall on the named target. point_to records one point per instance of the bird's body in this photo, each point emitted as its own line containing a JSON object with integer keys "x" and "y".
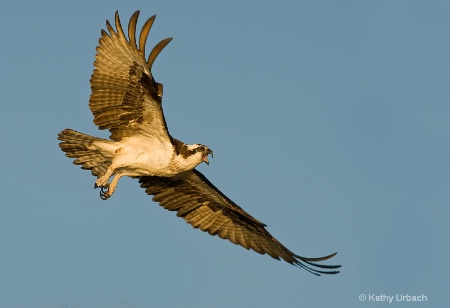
{"x": 127, "y": 101}
{"x": 132, "y": 156}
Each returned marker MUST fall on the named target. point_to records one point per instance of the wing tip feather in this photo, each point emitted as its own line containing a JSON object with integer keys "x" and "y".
{"x": 156, "y": 51}
{"x": 303, "y": 262}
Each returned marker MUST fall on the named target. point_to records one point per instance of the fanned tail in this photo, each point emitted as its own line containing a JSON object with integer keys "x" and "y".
{"x": 80, "y": 146}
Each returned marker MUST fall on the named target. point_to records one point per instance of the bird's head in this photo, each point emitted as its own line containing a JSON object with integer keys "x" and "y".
{"x": 203, "y": 151}
{"x": 199, "y": 153}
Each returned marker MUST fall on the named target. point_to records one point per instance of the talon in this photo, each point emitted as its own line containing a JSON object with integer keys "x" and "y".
{"x": 104, "y": 193}
{"x": 106, "y": 189}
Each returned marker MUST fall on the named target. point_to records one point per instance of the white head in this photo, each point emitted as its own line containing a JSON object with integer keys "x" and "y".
{"x": 190, "y": 156}
{"x": 198, "y": 152}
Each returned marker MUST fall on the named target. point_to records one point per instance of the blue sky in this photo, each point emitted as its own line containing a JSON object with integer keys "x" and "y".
{"x": 329, "y": 121}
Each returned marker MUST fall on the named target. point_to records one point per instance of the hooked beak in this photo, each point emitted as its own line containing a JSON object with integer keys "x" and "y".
{"x": 205, "y": 156}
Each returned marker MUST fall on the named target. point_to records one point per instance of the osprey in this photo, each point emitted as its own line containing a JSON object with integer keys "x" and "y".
{"x": 126, "y": 100}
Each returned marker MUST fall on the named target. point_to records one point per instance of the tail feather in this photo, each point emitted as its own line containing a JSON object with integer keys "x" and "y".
{"x": 80, "y": 146}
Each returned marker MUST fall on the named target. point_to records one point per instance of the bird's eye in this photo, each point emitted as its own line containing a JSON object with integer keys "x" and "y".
{"x": 200, "y": 149}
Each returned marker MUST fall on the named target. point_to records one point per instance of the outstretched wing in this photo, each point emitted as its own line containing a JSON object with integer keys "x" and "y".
{"x": 203, "y": 206}
{"x": 125, "y": 97}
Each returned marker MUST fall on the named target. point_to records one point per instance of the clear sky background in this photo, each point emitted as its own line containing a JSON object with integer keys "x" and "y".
{"x": 329, "y": 121}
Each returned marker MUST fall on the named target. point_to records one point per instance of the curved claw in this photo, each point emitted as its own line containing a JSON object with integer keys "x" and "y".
{"x": 104, "y": 193}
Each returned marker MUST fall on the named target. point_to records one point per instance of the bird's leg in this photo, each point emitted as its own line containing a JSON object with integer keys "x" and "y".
{"x": 107, "y": 190}
{"x": 102, "y": 182}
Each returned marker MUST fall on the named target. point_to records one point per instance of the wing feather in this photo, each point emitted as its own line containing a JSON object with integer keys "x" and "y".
{"x": 155, "y": 52}
{"x": 203, "y": 206}
{"x": 144, "y": 33}
{"x": 125, "y": 97}
{"x": 239, "y": 236}
{"x": 132, "y": 29}
{"x": 217, "y": 225}
{"x": 207, "y": 224}
{"x": 196, "y": 218}
{"x": 251, "y": 243}
{"x": 175, "y": 205}
{"x": 187, "y": 208}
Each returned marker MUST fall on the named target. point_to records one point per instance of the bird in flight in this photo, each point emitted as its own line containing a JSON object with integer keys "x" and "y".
{"x": 127, "y": 101}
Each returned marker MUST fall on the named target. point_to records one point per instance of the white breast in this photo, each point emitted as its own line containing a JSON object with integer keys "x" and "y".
{"x": 137, "y": 156}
